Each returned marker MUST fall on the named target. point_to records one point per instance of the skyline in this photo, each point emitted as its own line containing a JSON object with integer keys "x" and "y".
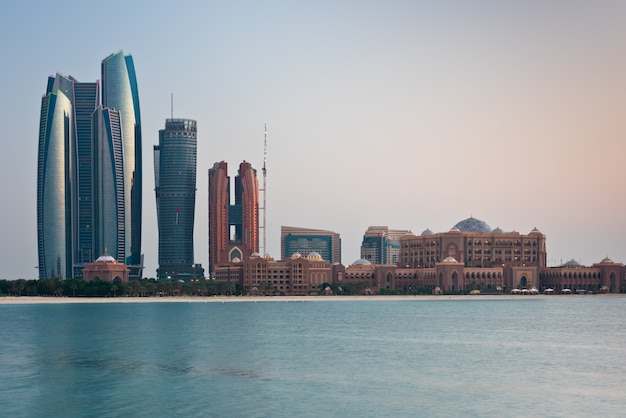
{"x": 406, "y": 114}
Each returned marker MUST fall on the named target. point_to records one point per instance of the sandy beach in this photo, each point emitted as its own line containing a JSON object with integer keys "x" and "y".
{"x": 12, "y": 300}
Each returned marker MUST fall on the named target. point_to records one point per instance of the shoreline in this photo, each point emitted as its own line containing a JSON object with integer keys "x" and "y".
{"x": 30, "y": 300}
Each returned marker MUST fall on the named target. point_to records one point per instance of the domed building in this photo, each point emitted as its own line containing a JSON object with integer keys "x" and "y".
{"x": 472, "y": 224}
{"x": 294, "y": 276}
{"x": 106, "y": 268}
{"x": 482, "y": 256}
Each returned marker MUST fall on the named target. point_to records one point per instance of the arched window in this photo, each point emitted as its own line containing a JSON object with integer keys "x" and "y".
{"x": 523, "y": 281}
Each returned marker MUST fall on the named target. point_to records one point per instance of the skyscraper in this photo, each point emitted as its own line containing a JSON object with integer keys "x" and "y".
{"x": 108, "y": 205}
{"x": 175, "y": 188}
{"x": 233, "y": 228}
{"x": 54, "y": 216}
{"x": 83, "y": 204}
{"x": 119, "y": 91}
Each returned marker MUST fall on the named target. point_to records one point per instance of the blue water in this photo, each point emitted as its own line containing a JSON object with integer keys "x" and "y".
{"x": 544, "y": 356}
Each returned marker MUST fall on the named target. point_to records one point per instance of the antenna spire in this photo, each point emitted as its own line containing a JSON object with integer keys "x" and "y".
{"x": 172, "y": 105}
{"x": 264, "y": 252}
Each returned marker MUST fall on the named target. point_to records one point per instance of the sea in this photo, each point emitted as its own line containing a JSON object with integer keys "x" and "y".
{"x": 544, "y": 356}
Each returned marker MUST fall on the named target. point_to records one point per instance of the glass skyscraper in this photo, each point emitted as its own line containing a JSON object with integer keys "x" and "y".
{"x": 119, "y": 91}
{"x": 54, "y": 216}
{"x": 84, "y": 208}
{"x": 175, "y": 188}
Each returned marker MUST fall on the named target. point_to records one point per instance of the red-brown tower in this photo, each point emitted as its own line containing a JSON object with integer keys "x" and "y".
{"x": 233, "y": 228}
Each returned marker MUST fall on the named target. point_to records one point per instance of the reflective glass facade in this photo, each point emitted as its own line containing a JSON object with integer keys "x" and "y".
{"x": 306, "y": 240}
{"x": 86, "y": 99}
{"x": 54, "y": 217}
{"x": 175, "y": 188}
{"x": 119, "y": 91}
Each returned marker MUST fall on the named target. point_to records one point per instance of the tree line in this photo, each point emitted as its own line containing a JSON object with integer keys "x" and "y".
{"x": 99, "y": 288}
{"x": 156, "y": 288}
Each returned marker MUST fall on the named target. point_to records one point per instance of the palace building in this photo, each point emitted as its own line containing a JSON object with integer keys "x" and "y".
{"x": 470, "y": 256}
{"x": 472, "y": 252}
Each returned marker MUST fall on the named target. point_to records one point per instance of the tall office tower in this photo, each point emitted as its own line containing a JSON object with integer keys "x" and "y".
{"x": 175, "y": 188}
{"x": 86, "y": 99}
{"x": 119, "y": 91}
{"x": 233, "y": 228}
{"x": 109, "y": 209}
{"x": 381, "y": 245}
{"x": 305, "y": 241}
{"x": 54, "y": 216}
{"x": 83, "y": 203}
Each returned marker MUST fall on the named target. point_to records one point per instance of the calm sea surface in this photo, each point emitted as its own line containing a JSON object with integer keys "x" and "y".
{"x": 546, "y": 356}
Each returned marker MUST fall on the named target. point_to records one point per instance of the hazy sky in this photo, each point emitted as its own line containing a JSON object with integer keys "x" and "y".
{"x": 411, "y": 114}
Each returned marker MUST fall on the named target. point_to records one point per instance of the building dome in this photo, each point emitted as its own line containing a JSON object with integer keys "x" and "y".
{"x": 255, "y": 255}
{"x": 361, "y": 262}
{"x": 454, "y": 229}
{"x": 497, "y": 231}
{"x": 535, "y": 231}
{"x": 314, "y": 256}
{"x": 427, "y": 232}
{"x": 572, "y": 263}
{"x": 606, "y": 260}
{"x": 296, "y": 255}
{"x": 106, "y": 259}
{"x": 450, "y": 260}
{"x": 235, "y": 260}
{"x": 472, "y": 224}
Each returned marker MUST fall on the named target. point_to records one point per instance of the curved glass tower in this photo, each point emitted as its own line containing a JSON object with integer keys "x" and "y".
{"x": 119, "y": 91}
{"x": 175, "y": 187}
{"x": 54, "y": 166}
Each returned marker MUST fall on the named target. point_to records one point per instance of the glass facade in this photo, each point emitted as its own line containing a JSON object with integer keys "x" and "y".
{"x": 54, "y": 180}
{"x": 86, "y": 99}
{"x": 306, "y": 244}
{"x": 108, "y": 185}
{"x": 119, "y": 91}
{"x": 175, "y": 188}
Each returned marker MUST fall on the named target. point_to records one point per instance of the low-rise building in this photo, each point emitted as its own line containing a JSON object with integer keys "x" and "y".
{"x": 106, "y": 268}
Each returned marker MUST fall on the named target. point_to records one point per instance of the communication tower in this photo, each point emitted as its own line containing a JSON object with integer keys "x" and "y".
{"x": 264, "y": 190}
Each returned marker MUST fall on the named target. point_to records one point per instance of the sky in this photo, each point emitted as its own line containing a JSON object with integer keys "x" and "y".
{"x": 410, "y": 114}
